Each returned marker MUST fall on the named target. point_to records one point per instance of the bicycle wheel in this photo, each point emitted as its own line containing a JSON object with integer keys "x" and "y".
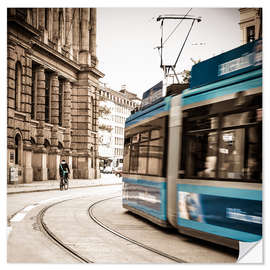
{"x": 61, "y": 184}
{"x": 66, "y": 184}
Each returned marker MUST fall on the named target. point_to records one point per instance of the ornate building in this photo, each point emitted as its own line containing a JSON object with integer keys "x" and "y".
{"x": 52, "y": 85}
{"x": 250, "y": 24}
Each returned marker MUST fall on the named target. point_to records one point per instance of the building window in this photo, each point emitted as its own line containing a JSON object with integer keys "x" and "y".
{"x": 18, "y": 149}
{"x": 47, "y": 145}
{"x": 18, "y": 85}
{"x": 60, "y": 104}
{"x": 250, "y": 33}
{"x": 60, "y": 146}
{"x": 92, "y": 158}
{"x": 47, "y": 96}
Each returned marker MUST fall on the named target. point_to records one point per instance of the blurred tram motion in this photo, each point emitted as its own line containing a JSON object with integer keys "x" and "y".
{"x": 193, "y": 159}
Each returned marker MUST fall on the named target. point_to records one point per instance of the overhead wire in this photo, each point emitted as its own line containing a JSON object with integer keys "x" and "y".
{"x": 176, "y": 27}
{"x": 183, "y": 44}
{"x": 160, "y": 48}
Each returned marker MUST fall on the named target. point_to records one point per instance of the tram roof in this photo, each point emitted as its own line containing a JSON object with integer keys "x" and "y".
{"x": 163, "y": 105}
{"x": 240, "y": 60}
{"x": 228, "y": 71}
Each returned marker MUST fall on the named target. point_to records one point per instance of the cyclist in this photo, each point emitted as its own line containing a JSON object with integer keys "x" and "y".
{"x": 63, "y": 171}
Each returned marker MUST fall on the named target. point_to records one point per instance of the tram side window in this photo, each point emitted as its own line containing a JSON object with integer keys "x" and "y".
{"x": 144, "y": 152}
{"x": 229, "y": 149}
{"x": 134, "y": 155}
{"x": 126, "y": 155}
{"x": 155, "y": 156}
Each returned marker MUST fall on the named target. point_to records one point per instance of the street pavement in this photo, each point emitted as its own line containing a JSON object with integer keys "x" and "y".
{"x": 37, "y": 186}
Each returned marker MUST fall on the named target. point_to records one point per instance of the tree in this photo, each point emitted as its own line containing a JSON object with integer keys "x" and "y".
{"x": 103, "y": 110}
{"x": 186, "y": 74}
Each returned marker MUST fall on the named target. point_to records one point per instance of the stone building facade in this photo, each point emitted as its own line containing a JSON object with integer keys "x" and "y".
{"x": 52, "y": 86}
{"x": 250, "y": 24}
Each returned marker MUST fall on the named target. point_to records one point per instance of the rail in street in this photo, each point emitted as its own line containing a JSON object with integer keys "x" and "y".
{"x": 61, "y": 225}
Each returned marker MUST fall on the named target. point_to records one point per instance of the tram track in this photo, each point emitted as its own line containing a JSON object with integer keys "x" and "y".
{"x": 44, "y": 228}
{"x": 95, "y": 219}
{"x": 46, "y": 231}
{"x": 92, "y": 233}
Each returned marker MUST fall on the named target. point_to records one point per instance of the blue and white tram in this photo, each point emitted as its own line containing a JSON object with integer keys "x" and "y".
{"x": 194, "y": 160}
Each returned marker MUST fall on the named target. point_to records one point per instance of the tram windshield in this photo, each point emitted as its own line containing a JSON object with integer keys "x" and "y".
{"x": 224, "y": 141}
{"x": 144, "y": 150}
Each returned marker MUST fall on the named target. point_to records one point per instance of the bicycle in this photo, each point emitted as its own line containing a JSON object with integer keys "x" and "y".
{"x": 64, "y": 184}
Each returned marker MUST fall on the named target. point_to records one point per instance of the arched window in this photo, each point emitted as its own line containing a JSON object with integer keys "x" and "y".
{"x": 18, "y": 149}
{"x": 92, "y": 159}
{"x": 46, "y": 143}
{"x": 18, "y": 85}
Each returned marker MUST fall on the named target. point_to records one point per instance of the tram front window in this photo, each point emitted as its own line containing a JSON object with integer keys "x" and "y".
{"x": 201, "y": 159}
{"x": 144, "y": 151}
{"x": 225, "y": 145}
{"x": 231, "y": 154}
{"x": 156, "y": 152}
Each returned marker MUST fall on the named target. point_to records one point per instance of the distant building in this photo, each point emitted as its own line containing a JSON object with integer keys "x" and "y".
{"x": 115, "y": 107}
{"x": 51, "y": 92}
{"x": 250, "y": 24}
{"x": 131, "y": 96}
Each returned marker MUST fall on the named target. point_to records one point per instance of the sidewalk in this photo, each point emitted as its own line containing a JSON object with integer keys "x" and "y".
{"x": 37, "y": 186}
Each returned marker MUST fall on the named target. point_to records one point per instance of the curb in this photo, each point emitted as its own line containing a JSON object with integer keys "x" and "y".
{"x": 51, "y": 189}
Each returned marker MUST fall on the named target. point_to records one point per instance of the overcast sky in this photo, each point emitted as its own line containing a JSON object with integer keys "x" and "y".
{"x": 126, "y": 38}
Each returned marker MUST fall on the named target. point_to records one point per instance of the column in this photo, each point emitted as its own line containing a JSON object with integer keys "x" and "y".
{"x": 68, "y": 30}
{"x": 93, "y": 19}
{"x": 54, "y": 154}
{"x": 76, "y": 34}
{"x": 27, "y": 162}
{"x": 54, "y": 99}
{"x": 35, "y": 17}
{"x": 84, "y": 50}
{"x": 11, "y": 57}
{"x": 82, "y": 127}
{"x": 55, "y": 25}
{"x": 39, "y": 156}
{"x": 27, "y": 147}
{"x": 67, "y": 125}
{"x": 41, "y": 18}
